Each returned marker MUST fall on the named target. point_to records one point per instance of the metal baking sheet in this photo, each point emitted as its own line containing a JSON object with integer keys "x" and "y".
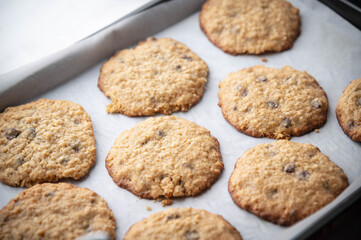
{"x": 328, "y": 48}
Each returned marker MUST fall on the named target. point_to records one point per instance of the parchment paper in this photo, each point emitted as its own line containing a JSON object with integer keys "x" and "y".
{"x": 329, "y": 48}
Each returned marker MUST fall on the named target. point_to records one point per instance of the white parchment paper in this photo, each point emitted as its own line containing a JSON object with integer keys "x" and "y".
{"x": 329, "y": 48}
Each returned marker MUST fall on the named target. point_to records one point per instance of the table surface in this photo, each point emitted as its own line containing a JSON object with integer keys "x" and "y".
{"x": 34, "y": 29}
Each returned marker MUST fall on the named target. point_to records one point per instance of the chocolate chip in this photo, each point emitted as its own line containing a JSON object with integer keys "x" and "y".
{"x": 178, "y": 67}
{"x": 87, "y": 227}
{"x": 93, "y": 201}
{"x": 303, "y": 175}
{"x": 11, "y": 133}
{"x": 351, "y": 124}
{"x": 234, "y": 108}
{"x": 180, "y": 183}
{"x": 171, "y": 217}
{"x": 326, "y": 186}
{"x": 290, "y": 168}
{"x": 18, "y": 162}
{"x": 144, "y": 142}
{"x": 48, "y": 194}
{"x": 311, "y": 154}
{"x": 160, "y": 133}
{"x": 76, "y": 146}
{"x": 316, "y": 104}
{"x": 262, "y": 78}
{"x": 192, "y": 235}
{"x": 293, "y": 213}
{"x": 64, "y": 161}
{"x": 185, "y": 57}
{"x": 272, "y": 104}
{"x": 31, "y": 133}
{"x": 244, "y": 93}
{"x": 286, "y": 122}
{"x": 76, "y": 121}
{"x": 271, "y": 193}
{"x": 188, "y": 165}
{"x": 249, "y": 109}
{"x": 359, "y": 102}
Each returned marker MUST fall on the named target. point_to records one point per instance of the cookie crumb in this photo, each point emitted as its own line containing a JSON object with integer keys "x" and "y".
{"x": 264, "y": 59}
{"x": 317, "y": 131}
{"x": 148, "y": 208}
{"x": 167, "y": 202}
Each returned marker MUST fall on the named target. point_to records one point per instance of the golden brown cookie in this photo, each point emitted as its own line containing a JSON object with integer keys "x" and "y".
{"x": 55, "y": 211}
{"x": 165, "y": 157}
{"x": 45, "y": 141}
{"x": 157, "y": 76}
{"x": 275, "y": 103}
{"x": 251, "y": 27}
{"x": 284, "y": 182}
{"x": 183, "y": 224}
{"x": 348, "y": 110}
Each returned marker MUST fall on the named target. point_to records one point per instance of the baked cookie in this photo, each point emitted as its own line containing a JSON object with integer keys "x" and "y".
{"x": 284, "y": 182}
{"x": 157, "y": 76}
{"x": 55, "y": 211}
{"x": 348, "y": 110}
{"x": 275, "y": 103}
{"x": 165, "y": 157}
{"x": 183, "y": 223}
{"x": 251, "y": 27}
{"x": 45, "y": 141}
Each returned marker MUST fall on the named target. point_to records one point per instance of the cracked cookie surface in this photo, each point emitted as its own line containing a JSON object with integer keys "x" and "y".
{"x": 55, "y": 211}
{"x": 284, "y": 182}
{"x": 157, "y": 76}
{"x": 183, "y": 224}
{"x": 275, "y": 103}
{"x": 165, "y": 157}
{"x": 45, "y": 141}
{"x": 348, "y": 110}
{"x": 251, "y": 27}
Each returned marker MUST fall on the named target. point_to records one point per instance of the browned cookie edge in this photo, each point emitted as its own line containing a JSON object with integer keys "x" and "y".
{"x": 125, "y": 184}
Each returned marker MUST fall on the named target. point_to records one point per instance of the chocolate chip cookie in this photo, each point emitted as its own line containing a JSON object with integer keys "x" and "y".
{"x": 45, "y": 141}
{"x": 348, "y": 110}
{"x": 55, "y": 211}
{"x": 275, "y": 103}
{"x": 251, "y": 27}
{"x": 284, "y": 182}
{"x": 157, "y": 76}
{"x": 165, "y": 157}
{"x": 183, "y": 223}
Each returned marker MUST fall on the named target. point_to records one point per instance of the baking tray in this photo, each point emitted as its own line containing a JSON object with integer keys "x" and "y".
{"x": 328, "y": 48}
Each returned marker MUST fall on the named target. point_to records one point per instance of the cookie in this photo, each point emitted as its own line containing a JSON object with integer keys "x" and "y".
{"x": 165, "y": 157}
{"x": 284, "y": 182}
{"x": 348, "y": 110}
{"x": 56, "y": 211}
{"x": 45, "y": 141}
{"x": 251, "y": 27}
{"x": 275, "y": 103}
{"x": 157, "y": 76}
{"x": 183, "y": 223}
